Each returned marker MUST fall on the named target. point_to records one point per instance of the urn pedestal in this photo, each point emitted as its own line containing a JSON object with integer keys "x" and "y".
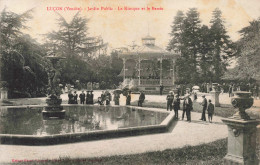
{"x": 241, "y": 132}
{"x": 215, "y": 98}
{"x": 3, "y": 94}
{"x": 241, "y": 142}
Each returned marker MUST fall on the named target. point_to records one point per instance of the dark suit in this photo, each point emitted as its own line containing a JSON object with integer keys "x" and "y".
{"x": 204, "y": 105}
{"x": 82, "y": 98}
{"x": 176, "y": 107}
{"x": 128, "y": 99}
{"x": 116, "y": 98}
{"x": 70, "y": 96}
{"x": 187, "y": 107}
{"x": 75, "y": 98}
{"x": 91, "y": 98}
{"x": 141, "y": 99}
{"x": 88, "y": 98}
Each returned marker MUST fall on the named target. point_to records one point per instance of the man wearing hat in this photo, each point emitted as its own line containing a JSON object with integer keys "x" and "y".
{"x": 187, "y": 107}
{"x": 169, "y": 99}
{"x": 82, "y": 97}
{"x": 204, "y": 104}
{"x": 161, "y": 89}
{"x": 128, "y": 98}
{"x": 141, "y": 99}
{"x": 176, "y": 106}
{"x": 116, "y": 97}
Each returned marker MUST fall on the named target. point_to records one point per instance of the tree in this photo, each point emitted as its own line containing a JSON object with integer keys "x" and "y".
{"x": 72, "y": 41}
{"x": 107, "y": 72}
{"x": 248, "y": 58}
{"x": 185, "y": 40}
{"x": 22, "y": 65}
{"x": 72, "y": 38}
{"x": 10, "y": 27}
{"x": 204, "y": 51}
{"x": 191, "y": 40}
{"x": 221, "y": 44}
{"x": 176, "y": 43}
{"x": 205, "y": 54}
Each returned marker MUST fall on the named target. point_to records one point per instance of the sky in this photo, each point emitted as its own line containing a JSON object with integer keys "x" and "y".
{"x": 121, "y": 27}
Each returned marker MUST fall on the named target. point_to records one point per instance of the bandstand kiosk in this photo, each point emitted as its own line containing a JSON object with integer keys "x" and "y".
{"x": 148, "y": 67}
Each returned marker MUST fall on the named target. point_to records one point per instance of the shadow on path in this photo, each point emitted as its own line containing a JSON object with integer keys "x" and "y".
{"x": 204, "y": 122}
{"x": 172, "y": 125}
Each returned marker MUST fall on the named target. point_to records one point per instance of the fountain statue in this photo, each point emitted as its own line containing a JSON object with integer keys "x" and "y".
{"x": 241, "y": 132}
{"x": 54, "y": 108}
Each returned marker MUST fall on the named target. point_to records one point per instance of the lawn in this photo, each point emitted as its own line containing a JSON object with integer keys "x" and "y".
{"x": 208, "y": 154}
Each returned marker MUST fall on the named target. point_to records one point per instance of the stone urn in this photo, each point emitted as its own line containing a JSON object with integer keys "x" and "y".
{"x": 242, "y": 100}
{"x": 215, "y": 87}
{"x": 241, "y": 132}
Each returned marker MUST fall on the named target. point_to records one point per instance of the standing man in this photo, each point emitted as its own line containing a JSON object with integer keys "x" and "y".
{"x": 116, "y": 97}
{"x": 210, "y": 111}
{"x": 141, "y": 99}
{"x": 82, "y": 97}
{"x": 88, "y": 98}
{"x": 187, "y": 107}
{"x": 176, "y": 106}
{"x": 204, "y": 104}
{"x": 91, "y": 97}
{"x": 230, "y": 90}
{"x": 75, "y": 98}
{"x": 169, "y": 99}
{"x": 103, "y": 96}
{"x": 161, "y": 89}
{"x": 108, "y": 98}
{"x": 128, "y": 98}
{"x": 70, "y": 96}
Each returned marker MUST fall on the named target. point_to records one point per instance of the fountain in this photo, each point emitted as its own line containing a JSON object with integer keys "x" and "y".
{"x": 241, "y": 132}
{"x": 54, "y": 108}
{"x": 27, "y": 126}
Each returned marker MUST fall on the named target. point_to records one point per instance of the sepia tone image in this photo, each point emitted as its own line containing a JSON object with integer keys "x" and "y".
{"x": 130, "y": 82}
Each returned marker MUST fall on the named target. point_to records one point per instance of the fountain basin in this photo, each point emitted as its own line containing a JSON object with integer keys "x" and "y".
{"x": 26, "y": 126}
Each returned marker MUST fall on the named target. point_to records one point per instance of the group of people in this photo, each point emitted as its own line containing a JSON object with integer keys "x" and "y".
{"x": 253, "y": 88}
{"x": 207, "y": 107}
{"x": 105, "y": 98}
{"x": 174, "y": 102}
{"x": 140, "y": 100}
{"x": 84, "y": 98}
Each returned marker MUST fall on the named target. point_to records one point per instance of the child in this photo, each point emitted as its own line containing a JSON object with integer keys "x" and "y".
{"x": 210, "y": 111}
{"x": 100, "y": 102}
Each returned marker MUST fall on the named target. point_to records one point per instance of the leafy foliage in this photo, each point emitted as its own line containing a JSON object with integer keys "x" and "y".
{"x": 248, "y": 54}
{"x": 222, "y": 47}
{"x": 22, "y": 64}
{"x": 204, "y": 51}
{"x": 86, "y": 58}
